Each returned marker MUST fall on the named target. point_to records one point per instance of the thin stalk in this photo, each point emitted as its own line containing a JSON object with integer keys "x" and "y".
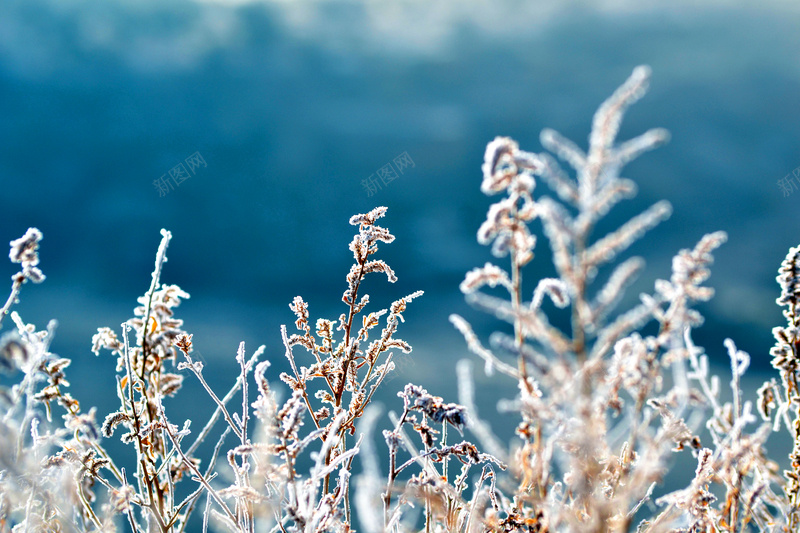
{"x": 12, "y": 298}
{"x": 348, "y": 328}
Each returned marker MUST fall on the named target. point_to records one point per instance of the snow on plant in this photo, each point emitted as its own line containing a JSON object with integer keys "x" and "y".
{"x": 603, "y": 406}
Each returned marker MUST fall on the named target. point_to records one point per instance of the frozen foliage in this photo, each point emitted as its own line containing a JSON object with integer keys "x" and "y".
{"x": 599, "y": 419}
{"x": 603, "y": 407}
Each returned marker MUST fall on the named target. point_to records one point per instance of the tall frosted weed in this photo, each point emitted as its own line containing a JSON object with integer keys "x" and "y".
{"x": 602, "y": 407}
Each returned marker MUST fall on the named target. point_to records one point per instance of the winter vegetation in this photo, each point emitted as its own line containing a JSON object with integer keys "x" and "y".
{"x": 604, "y": 406}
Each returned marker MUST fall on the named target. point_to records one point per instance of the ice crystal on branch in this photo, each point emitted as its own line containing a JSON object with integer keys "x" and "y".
{"x": 417, "y": 398}
{"x": 24, "y": 249}
{"x": 789, "y": 280}
{"x": 25, "y": 252}
{"x": 783, "y": 404}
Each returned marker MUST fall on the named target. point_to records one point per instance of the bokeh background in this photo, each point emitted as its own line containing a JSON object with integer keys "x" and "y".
{"x": 291, "y": 104}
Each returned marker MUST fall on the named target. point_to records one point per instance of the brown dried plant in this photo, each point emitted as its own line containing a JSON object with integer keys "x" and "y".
{"x": 346, "y": 368}
{"x": 340, "y": 380}
{"x": 781, "y": 404}
{"x": 600, "y": 420}
{"x": 604, "y": 402}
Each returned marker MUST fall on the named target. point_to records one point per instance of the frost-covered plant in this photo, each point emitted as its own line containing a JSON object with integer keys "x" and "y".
{"x": 604, "y": 401}
{"x": 340, "y": 380}
{"x": 48, "y": 470}
{"x": 445, "y": 502}
{"x": 48, "y": 479}
{"x": 599, "y": 421}
{"x": 333, "y": 390}
{"x": 781, "y": 404}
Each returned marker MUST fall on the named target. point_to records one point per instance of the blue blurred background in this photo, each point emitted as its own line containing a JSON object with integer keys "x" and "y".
{"x": 291, "y": 104}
